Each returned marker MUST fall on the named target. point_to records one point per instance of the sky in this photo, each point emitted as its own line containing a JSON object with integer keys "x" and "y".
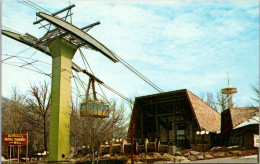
{"x": 176, "y": 44}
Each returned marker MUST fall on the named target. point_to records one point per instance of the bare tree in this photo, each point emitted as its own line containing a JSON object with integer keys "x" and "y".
{"x": 209, "y": 99}
{"x": 75, "y": 129}
{"x": 255, "y": 88}
{"x": 22, "y": 114}
{"x": 94, "y": 131}
{"x": 39, "y": 104}
{"x": 219, "y": 101}
{"x": 12, "y": 117}
{"x": 222, "y": 101}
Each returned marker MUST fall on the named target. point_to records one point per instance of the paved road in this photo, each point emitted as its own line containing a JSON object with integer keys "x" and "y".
{"x": 247, "y": 159}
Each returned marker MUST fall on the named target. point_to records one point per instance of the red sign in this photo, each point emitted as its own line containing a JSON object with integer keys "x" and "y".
{"x": 15, "y": 139}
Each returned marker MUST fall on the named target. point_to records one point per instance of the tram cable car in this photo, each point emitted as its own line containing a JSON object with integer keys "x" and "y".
{"x": 93, "y": 107}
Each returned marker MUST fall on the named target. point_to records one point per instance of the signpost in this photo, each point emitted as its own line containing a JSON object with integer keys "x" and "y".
{"x": 61, "y": 43}
{"x": 256, "y": 140}
{"x": 256, "y": 144}
{"x": 16, "y": 140}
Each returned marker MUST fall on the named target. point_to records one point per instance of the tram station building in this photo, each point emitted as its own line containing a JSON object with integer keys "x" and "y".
{"x": 238, "y": 126}
{"x": 174, "y": 118}
{"x": 178, "y": 118}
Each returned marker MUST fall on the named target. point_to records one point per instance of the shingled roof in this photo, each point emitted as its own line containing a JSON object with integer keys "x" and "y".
{"x": 232, "y": 117}
{"x": 206, "y": 117}
{"x": 252, "y": 121}
{"x": 240, "y": 115}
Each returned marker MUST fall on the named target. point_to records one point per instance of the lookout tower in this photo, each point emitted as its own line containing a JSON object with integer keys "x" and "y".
{"x": 229, "y": 91}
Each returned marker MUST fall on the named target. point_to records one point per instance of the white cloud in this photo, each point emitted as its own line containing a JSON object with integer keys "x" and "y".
{"x": 176, "y": 44}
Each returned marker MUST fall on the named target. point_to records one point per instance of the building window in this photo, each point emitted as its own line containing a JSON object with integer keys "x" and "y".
{"x": 180, "y": 129}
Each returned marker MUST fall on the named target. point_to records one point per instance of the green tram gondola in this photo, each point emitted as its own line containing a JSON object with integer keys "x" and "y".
{"x": 94, "y": 109}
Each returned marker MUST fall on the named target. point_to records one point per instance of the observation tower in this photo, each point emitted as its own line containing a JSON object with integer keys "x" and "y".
{"x": 229, "y": 91}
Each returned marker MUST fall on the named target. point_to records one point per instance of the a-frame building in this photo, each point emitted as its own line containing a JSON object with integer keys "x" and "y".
{"x": 174, "y": 118}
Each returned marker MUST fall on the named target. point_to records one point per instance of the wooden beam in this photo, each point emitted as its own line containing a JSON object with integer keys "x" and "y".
{"x": 175, "y": 129}
{"x": 142, "y": 128}
{"x": 169, "y": 100}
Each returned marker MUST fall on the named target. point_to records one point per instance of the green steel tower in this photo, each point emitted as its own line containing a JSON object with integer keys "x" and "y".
{"x": 61, "y": 43}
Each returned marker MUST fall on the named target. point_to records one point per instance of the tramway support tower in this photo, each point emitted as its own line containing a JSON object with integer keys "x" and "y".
{"x": 61, "y": 43}
{"x": 229, "y": 91}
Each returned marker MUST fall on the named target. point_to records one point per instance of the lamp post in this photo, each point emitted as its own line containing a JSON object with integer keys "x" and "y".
{"x": 203, "y": 132}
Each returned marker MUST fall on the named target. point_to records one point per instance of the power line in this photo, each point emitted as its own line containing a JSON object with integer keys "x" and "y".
{"x": 12, "y": 30}
{"x": 15, "y": 55}
{"x": 33, "y": 54}
{"x": 30, "y": 64}
{"x": 29, "y": 5}
{"x": 79, "y": 95}
{"x": 76, "y": 84}
{"x": 39, "y": 61}
{"x": 27, "y": 69}
{"x": 132, "y": 69}
{"x": 33, "y": 61}
{"x": 8, "y": 28}
{"x": 111, "y": 89}
{"x": 34, "y": 6}
{"x": 81, "y": 82}
{"x": 139, "y": 74}
{"x": 39, "y": 7}
{"x": 119, "y": 94}
{"x": 40, "y": 72}
{"x": 85, "y": 60}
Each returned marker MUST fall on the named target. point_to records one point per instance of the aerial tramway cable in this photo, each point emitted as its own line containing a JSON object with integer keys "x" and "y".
{"x": 139, "y": 74}
{"x": 86, "y": 62}
{"x": 30, "y": 5}
{"x": 132, "y": 69}
{"x": 77, "y": 78}
{"x": 42, "y": 9}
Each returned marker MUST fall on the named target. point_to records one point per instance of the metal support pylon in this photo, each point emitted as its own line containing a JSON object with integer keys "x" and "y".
{"x": 61, "y": 44}
{"x": 62, "y": 52}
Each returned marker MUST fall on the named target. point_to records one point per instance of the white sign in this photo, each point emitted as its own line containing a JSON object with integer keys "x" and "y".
{"x": 256, "y": 140}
